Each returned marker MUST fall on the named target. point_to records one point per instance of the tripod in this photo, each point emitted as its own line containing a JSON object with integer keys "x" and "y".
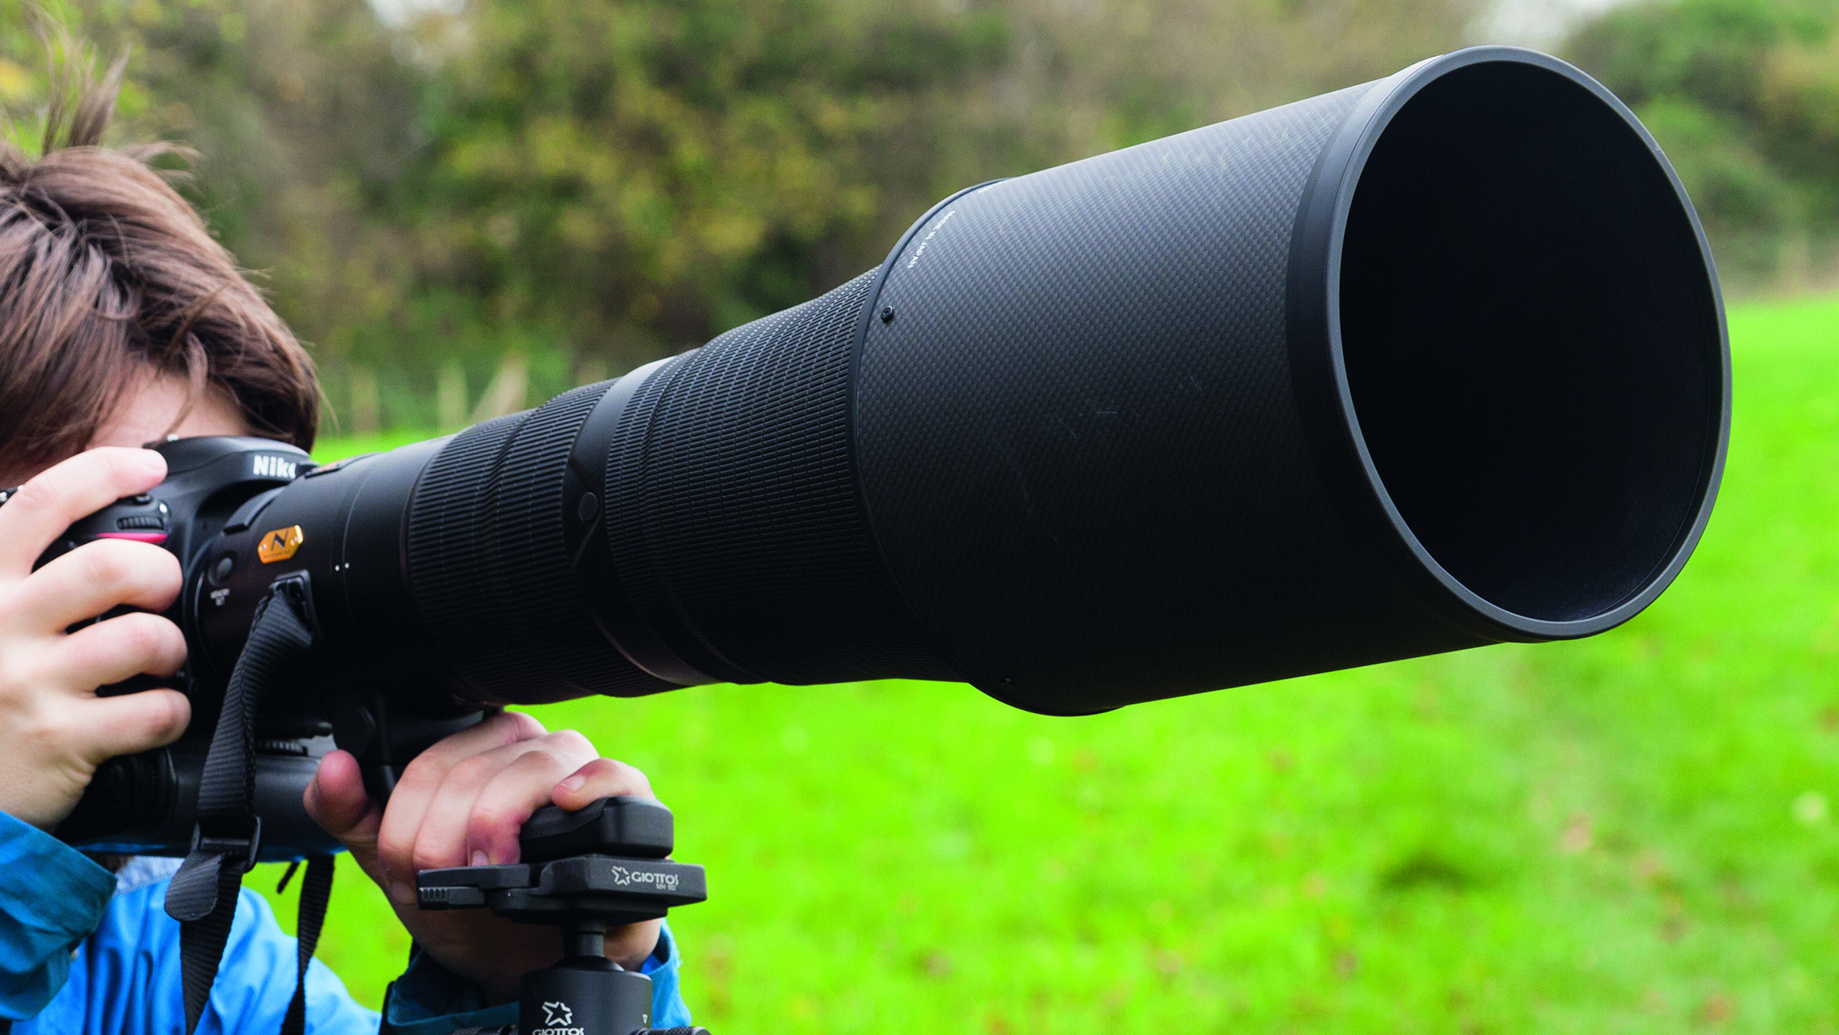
{"x": 582, "y": 872}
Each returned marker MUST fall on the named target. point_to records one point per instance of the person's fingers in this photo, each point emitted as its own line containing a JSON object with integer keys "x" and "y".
{"x": 505, "y": 803}
{"x": 520, "y": 771}
{"x": 111, "y": 651}
{"x": 111, "y": 726}
{"x": 440, "y": 841}
{"x": 629, "y": 945}
{"x": 414, "y": 791}
{"x": 337, "y": 801}
{"x": 90, "y": 580}
{"x": 71, "y": 490}
{"x": 600, "y": 778}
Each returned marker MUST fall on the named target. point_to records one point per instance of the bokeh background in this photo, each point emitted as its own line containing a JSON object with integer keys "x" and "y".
{"x": 467, "y": 206}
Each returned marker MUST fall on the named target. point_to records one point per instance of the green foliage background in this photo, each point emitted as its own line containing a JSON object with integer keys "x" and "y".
{"x": 1744, "y": 97}
{"x": 592, "y": 184}
{"x": 589, "y": 184}
{"x": 1632, "y": 833}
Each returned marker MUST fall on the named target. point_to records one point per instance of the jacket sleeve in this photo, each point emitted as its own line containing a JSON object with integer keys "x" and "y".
{"x": 663, "y": 967}
{"x": 51, "y": 899}
{"x": 126, "y": 978}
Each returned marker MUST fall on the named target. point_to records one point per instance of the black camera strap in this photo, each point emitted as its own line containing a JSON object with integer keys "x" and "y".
{"x": 315, "y": 894}
{"x": 228, "y": 839}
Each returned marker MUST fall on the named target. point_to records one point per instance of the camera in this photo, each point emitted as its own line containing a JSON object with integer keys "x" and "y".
{"x": 206, "y": 512}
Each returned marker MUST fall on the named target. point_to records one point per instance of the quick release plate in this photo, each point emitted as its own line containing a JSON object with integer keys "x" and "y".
{"x": 606, "y": 861}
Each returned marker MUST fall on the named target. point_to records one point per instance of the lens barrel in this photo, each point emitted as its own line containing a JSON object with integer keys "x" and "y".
{"x": 1424, "y": 364}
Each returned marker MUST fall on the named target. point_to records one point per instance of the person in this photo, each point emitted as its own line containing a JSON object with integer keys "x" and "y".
{"x": 122, "y": 321}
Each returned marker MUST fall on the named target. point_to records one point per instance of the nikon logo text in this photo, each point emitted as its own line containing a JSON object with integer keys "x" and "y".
{"x": 270, "y": 466}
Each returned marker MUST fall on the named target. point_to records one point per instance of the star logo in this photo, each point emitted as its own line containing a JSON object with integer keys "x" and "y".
{"x": 556, "y": 1015}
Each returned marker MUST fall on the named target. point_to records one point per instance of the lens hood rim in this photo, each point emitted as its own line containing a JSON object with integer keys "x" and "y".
{"x": 1319, "y": 365}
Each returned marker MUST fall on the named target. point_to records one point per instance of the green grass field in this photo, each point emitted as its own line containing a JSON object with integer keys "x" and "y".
{"x": 1633, "y": 833}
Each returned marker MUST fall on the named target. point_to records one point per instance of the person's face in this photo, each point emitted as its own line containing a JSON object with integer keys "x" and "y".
{"x": 148, "y": 411}
{"x": 151, "y": 406}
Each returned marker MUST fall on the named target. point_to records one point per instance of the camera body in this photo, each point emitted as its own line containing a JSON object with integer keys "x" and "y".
{"x": 212, "y": 512}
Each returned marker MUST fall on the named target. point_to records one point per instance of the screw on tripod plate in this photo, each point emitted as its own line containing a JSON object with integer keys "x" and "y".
{"x": 887, "y": 314}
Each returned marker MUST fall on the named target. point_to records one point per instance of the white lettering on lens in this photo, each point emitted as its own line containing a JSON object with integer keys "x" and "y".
{"x": 924, "y": 241}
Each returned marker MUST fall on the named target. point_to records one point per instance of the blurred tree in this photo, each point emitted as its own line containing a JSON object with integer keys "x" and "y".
{"x": 654, "y": 171}
{"x": 642, "y": 175}
{"x": 586, "y": 184}
{"x": 1742, "y": 94}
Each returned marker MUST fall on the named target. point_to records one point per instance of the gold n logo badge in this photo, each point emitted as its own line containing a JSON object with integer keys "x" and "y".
{"x": 280, "y": 544}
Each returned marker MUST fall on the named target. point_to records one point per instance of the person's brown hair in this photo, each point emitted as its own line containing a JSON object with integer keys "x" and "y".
{"x": 107, "y": 273}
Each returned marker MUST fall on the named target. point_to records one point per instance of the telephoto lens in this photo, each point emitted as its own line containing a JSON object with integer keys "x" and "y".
{"x": 1427, "y": 363}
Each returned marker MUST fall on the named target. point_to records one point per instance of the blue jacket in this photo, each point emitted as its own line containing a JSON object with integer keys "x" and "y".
{"x": 87, "y": 952}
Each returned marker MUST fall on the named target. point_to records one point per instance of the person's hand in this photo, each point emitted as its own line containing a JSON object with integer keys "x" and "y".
{"x": 54, "y": 730}
{"x": 462, "y": 803}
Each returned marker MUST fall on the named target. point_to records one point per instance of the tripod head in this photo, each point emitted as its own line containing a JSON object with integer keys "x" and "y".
{"x": 582, "y": 872}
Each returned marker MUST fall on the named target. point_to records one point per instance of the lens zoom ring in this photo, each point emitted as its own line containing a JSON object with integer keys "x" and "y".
{"x": 738, "y": 469}
{"x": 490, "y": 566}
{"x": 627, "y": 497}
{"x": 537, "y": 588}
{"x": 445, "y": 519}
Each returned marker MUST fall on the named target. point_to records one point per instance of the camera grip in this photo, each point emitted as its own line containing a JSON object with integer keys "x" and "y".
{"x": 385, "y": 737}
